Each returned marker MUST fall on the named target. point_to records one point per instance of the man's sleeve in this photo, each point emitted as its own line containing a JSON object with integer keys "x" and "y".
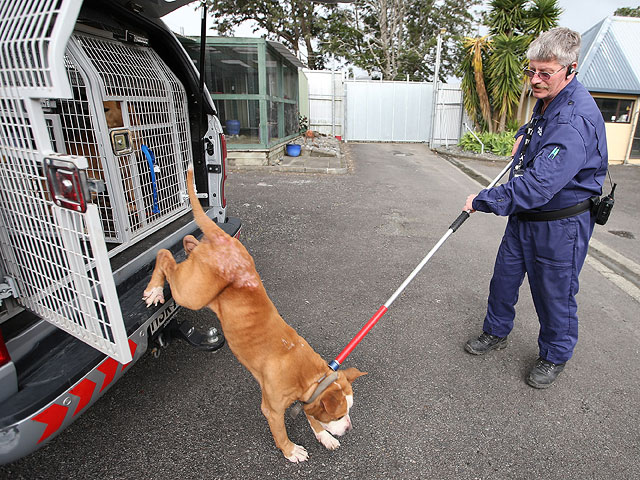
{"x": 560, "y": 158}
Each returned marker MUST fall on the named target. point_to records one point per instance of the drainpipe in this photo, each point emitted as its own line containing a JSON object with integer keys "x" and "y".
{"x": 333, "y": 104}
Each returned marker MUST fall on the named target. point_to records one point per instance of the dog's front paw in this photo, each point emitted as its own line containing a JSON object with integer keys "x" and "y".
{"x": 328, "y": 440}
{"x": 153, "y": 296}
{"x": 298, "y": 455}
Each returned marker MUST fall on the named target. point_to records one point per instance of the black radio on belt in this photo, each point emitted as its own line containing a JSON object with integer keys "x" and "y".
{"x": 602, "y": 207}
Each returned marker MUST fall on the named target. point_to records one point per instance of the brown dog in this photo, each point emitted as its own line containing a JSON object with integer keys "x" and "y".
{"x": 219, "y": 273}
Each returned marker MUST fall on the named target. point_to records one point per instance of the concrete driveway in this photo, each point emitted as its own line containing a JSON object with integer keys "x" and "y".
{"x": 331, "y": 250}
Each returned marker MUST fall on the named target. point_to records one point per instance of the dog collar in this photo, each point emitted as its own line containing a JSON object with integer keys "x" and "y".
{"x": 323, "y": 383}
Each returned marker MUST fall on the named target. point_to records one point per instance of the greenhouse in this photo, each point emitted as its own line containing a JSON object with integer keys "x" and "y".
{"x": 254, "y": 84}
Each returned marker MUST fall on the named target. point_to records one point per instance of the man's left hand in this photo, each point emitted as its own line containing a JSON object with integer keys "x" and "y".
{"x": 468, "y": 207}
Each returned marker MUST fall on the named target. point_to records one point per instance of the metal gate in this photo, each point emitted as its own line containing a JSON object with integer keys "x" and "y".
{"x": 56, "y": 257}
{"x": 448, "y": 116}
{"x": 388, "y": 111}
{"x": 326, "y": 102}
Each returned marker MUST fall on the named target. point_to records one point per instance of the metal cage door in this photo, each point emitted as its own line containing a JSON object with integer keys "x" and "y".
{"x": 57, "y": 257}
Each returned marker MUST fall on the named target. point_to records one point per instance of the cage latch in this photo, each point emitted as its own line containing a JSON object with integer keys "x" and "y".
{"x": 96, "y": 186}
{"x": 209, "y": 147}
{"x": 8, "y": 289}
{"x": 185, "y": 196}
{"x": 121, "y": 141}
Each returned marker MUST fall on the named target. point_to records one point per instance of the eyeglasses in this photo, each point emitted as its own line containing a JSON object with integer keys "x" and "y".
{"x": 544, "y": 76}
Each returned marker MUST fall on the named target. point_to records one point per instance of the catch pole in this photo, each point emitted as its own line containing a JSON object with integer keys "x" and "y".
{"x": 335, "y": 364}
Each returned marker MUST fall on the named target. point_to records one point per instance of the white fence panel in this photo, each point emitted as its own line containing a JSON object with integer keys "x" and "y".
{"x": 375, "y": 111}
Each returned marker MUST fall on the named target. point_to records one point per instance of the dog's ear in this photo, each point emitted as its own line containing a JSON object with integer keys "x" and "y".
{"x": 189, "y": 243}
{"x": 332, "y": 402}
{"x": 352, "y": 373}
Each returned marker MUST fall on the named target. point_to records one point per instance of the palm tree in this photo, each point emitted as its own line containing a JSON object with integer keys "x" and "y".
{"x": 476, "y": 99}
{"x": 505, "y": 73}
{"x": 513, "y": 25}
{"x": 506, "y": 16}
{"x": 542, "y": 16}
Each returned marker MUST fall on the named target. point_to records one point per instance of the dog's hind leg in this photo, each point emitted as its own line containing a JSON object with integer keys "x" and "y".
{"x": 194, "y": 283}
{"x": 153, "y": 294}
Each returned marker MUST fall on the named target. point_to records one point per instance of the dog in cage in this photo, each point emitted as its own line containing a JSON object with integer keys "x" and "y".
{"x": 80, "y": 139}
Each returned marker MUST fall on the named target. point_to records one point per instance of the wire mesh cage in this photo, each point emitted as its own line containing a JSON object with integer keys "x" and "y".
{"x": 128, "y": 117}
{"x": 56, "y": 257}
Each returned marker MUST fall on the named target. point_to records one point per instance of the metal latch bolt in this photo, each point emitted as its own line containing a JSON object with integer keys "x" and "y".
{"x": 8, "y": 289}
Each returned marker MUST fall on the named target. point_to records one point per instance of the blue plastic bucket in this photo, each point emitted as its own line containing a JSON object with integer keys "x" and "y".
{"x": 293, "y": 150}
{"x": 233, "y": 127}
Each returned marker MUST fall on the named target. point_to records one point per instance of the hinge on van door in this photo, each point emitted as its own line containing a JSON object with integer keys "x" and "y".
{"x": 8, "y": 289}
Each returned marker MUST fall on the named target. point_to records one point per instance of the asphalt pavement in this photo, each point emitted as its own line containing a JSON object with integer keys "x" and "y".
{"x": 330, "y": 250}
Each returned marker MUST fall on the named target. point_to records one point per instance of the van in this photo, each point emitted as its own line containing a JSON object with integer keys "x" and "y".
{"x": 101, "y": 113}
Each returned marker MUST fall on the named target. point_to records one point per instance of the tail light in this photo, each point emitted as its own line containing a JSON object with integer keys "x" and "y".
{"x": 223, "y": 144}
{"x": 67, "y": 184}
{"x": 4, "y": 353}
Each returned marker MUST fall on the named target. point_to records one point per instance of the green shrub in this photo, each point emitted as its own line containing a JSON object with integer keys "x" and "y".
{"x": 497, "y": 143}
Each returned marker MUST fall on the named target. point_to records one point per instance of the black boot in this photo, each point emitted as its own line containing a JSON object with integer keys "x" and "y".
{"x": 485, "y": 343}
{"x": 544, "y": 373}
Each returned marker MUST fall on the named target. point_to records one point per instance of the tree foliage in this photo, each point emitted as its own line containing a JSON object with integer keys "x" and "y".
{"x": 396, "y": 38}
{"x": 513, "y": 25}
{"x": 476, "y": 98}
{"x": 295, "y": 23}
{"x": 628, "y": 12}
{"x": 391, "y": 38}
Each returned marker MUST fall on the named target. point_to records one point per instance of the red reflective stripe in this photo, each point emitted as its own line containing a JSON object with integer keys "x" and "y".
{"x": 132, "y": 347}
{"x": 53, "y": 418}
{"x": 109, "y": 367}
{"x": 84, "y": 390}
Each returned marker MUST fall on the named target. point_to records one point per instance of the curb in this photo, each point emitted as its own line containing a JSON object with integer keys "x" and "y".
{"x": 471, "y": 156}
{"x": 304, "y": 168}
{"x": 291, "y": 169}
{"x": 466, "y": 169}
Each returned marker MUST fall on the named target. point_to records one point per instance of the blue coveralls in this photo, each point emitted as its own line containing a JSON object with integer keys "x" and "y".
{"x": 565, "y": 163}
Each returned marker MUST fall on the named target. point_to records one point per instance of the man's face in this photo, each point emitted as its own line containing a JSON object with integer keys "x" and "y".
{"x": 546, "y": 90}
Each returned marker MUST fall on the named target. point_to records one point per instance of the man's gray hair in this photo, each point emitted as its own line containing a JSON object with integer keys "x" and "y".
{"x": 559, "y": 44}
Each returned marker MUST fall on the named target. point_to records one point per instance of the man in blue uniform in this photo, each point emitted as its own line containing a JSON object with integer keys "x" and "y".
{"x": 560, "y": 162}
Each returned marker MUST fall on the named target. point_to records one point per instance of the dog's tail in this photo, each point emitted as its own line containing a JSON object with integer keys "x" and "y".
{"x": 208, "y": 226}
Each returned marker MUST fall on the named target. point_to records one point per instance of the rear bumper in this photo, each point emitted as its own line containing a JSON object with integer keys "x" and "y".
{"x": 24, "y": 432}
{"x": 54, "y": 392}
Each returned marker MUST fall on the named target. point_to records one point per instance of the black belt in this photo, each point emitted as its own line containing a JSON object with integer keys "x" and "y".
{"x": 555, "y": 214}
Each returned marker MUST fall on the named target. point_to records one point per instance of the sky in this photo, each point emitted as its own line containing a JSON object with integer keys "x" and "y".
{"x": 579, "y": 15}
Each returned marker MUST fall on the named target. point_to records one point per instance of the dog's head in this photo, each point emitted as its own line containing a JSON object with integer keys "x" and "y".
{"x": 331, "y": 408}
{"x": 113, "y": 114}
